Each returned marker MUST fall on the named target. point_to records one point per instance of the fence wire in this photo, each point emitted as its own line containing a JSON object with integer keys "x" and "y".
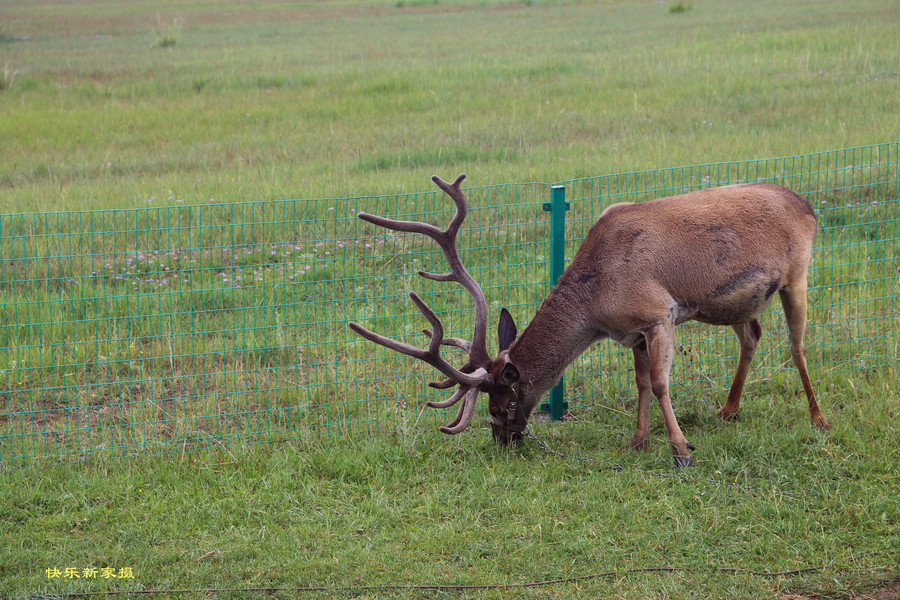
{"x": 132, "y": 332}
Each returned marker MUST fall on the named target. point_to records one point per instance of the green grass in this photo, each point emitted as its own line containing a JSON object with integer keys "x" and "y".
{"x": 322, "y": 100}
{"x": 145, "y": 133}
{"x": 768, "y": 493}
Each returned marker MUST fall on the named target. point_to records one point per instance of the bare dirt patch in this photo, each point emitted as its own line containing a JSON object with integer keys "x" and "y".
{"x": 889, "y": 591}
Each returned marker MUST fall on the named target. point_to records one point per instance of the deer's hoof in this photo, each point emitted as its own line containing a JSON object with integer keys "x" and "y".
{"x": 821, "y": 423}
{"x": 690, "y": 446}
{"x": 638, "y": 444}
{"x": 728, "y": 415}
{"x": 682, "y": 462}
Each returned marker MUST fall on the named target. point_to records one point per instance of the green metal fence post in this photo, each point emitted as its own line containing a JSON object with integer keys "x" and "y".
{"x": 557, "y": 208}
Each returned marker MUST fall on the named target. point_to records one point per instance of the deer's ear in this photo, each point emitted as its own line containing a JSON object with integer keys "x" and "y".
{"x": 506, "y": 330}
{"x": 509, "y": 375}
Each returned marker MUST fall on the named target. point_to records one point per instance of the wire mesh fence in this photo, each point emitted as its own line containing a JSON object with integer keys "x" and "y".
{"x": 131, "y": 332}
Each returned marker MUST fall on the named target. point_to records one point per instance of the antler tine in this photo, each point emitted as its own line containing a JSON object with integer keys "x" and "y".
{"x": 460, "y": 343}
{"x": 463, "y": 416}
{"x": 449, "y": 402}
{"x": 462, "y": 209}
{"x": 459, "y": 199}
{"x": 430, "y": 355}
{"x": 406, "y": 226}
{"x": 442, "y": 385}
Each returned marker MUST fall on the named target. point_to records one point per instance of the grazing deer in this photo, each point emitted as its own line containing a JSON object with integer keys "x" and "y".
{"x": 715, "y": 256}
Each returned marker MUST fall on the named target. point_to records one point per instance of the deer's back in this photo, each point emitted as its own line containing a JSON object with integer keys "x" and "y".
{"x": 717, "y": 255}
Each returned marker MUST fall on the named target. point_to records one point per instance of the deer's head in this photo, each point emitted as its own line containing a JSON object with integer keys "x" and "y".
{"x": 498, "y": 377}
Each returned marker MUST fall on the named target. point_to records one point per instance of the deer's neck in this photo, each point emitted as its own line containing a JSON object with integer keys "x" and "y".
{"x": 555, "y": 337}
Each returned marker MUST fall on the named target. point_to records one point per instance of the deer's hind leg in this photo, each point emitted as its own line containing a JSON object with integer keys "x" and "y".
{"x": 793, "y": 300}
{"x": 748, "y": 335}
{"x": 641, "y": 438}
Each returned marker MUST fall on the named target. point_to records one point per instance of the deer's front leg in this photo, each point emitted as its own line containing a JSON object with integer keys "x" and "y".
{"x": 660, "y": 350}
{"x": 748, "y": 335}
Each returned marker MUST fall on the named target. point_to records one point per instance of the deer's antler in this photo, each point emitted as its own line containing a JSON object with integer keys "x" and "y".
{"x": 474, "y": 372}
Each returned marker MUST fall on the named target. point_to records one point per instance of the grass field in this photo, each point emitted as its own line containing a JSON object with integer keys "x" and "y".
{"x": 307, "y": 100}
{"x": 186, "y": 108}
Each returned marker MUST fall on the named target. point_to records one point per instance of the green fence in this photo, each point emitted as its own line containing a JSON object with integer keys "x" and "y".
{"x": 130, "y": 332}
